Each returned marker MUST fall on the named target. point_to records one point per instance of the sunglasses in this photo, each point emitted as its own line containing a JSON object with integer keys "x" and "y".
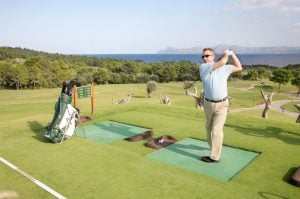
{"x": 205, "y": 56}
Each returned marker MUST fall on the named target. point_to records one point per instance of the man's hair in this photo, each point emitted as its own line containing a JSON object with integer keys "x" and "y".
{"x": 210, "y": 49}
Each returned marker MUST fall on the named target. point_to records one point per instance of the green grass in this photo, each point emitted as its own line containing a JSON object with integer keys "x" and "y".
{"x": 80, "y": 168}
{"x": 290, "y": 106}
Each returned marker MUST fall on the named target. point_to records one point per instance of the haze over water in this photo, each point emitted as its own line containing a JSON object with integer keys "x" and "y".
{"x": 246, "y": 59}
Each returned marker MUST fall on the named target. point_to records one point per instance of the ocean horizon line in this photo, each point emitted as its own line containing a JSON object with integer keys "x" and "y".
{"x": 246, "y": 59}
{"x": 178, "y": 54}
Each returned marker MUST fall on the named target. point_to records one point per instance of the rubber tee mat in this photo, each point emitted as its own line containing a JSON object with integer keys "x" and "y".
{"x": 187, "y": 153}
{"x": 108, "y": 131}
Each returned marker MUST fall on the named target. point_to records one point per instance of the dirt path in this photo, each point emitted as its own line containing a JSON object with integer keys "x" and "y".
{"x": 275, "y": 106}
{"x": 251, "y": 86}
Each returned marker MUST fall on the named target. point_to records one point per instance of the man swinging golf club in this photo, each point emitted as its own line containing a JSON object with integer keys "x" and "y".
{"x": 214, "y": 75}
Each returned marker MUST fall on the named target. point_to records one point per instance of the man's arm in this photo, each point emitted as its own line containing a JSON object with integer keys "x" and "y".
{"x": 222, "y": 61}
{"x": 236, "y": 66}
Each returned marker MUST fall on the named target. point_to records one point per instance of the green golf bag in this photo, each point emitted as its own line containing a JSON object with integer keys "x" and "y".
{"x": 65, "y": 117}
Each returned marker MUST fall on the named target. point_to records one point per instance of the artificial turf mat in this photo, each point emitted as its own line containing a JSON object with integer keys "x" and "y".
{"x": 187, "y": 152}
{"x": 108, "y": 131}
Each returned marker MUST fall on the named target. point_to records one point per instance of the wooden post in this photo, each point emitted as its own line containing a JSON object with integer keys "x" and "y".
{"x": 75, "y": 96}
{"x": 92, "y": 97}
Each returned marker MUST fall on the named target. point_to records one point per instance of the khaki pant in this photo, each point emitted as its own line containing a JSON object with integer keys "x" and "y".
{"x": 215, "y": 114}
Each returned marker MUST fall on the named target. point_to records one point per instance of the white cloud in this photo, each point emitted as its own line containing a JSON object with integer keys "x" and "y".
{"x": 287, "y": 7}
{"x": 296, "y": 27}
{"x": 290, "y": 9}
{"x": 256, "y": 4}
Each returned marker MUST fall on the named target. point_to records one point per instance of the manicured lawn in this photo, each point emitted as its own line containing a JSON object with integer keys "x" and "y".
{"x": 290, "y": 106}
{"x": 80, "y": 168}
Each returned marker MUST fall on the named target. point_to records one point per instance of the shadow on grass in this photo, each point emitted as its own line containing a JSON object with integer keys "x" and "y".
{"x": 270, "y": 132}
{"x": 288, "y": 175}
{"x": 270, "y": 195}
{"x": 139, "y": 96}
{"x": 181, "y": 149}
{"x": 39, "y": 131}
{"x": 121, "y": 130}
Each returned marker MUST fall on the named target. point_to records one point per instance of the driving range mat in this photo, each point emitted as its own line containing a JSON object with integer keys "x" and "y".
{"x": 186, "y": 154}
{"x": 108, "y": 131}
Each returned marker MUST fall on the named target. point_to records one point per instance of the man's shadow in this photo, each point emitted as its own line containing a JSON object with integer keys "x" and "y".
{"x": 272, "y": 132}
{"x": 181, "y": 149}
{"x": 38, "y": 129}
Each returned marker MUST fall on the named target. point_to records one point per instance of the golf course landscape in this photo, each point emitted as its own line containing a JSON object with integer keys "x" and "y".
{"x": 84, "y": 168}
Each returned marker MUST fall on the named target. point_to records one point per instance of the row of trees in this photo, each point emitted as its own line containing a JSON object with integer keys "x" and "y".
{"x": 23, "y": 68}
{"x": 281, "y": 76}
{"x": 38, "y": 72}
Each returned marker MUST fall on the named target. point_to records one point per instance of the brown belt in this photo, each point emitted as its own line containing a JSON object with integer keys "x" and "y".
{"x": 216, "y": 101}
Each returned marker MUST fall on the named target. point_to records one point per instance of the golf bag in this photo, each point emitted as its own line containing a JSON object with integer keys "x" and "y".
{"x": 65, "y": 117}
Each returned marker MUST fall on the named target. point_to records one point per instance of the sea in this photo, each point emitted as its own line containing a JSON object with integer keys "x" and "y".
{"x": 277, "y": 60}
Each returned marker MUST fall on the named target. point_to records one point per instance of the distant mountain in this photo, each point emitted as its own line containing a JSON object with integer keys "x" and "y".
{"x": 239, "y": 49}
{"x": 171, "y": 50}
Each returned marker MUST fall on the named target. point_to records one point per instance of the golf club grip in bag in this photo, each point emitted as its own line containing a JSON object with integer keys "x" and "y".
{"x": 65, "y": 117}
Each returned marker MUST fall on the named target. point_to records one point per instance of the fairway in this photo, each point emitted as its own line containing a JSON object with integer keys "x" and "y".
{"x": 108, "y": 131}
{"x": 187, "y": 152}
{"x": 106, "y": 166}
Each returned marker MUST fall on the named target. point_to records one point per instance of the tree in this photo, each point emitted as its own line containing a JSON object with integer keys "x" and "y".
{"x": 199, "y": 98}
{"x": 296, "y": 82}
{"x": 252, "y": 74}
{"x": 124, "y": 78}
{"x": 187, "y": 85}
{"x": 262, "y": 73}
{"x": 63, "y": 71}
{"x": 151, "y": 86}
{"x": 187, "y": 70}
{"x": 168, "y": 73}
{"x": 85, "y": 75}
{"x": 280, "y": 76}
{"x": 130, "y": 67}
{"x": 142, "y": 78}
{"x": 101, "y": 76}
{"x": 268, "y": 101}
{"x": 19, "y": 76}
{"x": 5, "y": 73}
{"x": 41, "y": 72}
{"x": 164, "y": 99}
{"x": 156, "y": 69}
{"x": 235, "y": 76}
{"x": 35, "y": 75}
{"x": 115, "y": 78}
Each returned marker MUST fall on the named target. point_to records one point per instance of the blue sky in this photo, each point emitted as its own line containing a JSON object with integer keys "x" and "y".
{"x": 146, "y": 26}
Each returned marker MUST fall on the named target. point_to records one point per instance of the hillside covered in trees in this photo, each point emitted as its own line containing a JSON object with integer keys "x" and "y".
{"x": 29, "y": 69}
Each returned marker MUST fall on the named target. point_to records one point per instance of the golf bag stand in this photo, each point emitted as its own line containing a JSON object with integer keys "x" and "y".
{"x": 65, "y": 117}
